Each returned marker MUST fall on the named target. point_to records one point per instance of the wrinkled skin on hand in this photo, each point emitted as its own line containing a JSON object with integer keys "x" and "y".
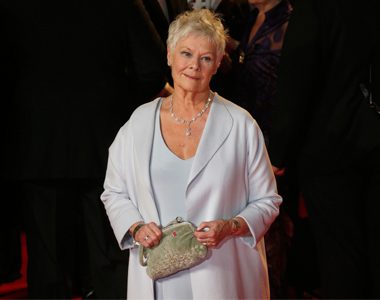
{"x": 213, "y": 232}
{"x": 149, "y": 235}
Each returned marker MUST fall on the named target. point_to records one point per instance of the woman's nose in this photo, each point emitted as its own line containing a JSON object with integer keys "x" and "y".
{"x": 194, "y": 64}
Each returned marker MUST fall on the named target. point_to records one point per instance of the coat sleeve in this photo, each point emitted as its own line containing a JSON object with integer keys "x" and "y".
{"x": 121, "y": 209}
{"x": 146, "y": 56}
{"x": 263, "y": 200}
{"x": 294, "y": 100}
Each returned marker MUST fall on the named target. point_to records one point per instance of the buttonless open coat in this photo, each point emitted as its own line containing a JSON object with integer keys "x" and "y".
{"x": 231, "y": 175}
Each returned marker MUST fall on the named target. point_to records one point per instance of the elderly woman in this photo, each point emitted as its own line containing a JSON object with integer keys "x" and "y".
{"x": 201, "y": 157}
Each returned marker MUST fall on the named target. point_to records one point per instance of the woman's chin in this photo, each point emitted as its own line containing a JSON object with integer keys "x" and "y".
{"x": 193, "y": 88}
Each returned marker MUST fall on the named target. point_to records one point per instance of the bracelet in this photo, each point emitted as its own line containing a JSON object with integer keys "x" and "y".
{"x": 235, "y": 225}
{"x": 137, "y": 228}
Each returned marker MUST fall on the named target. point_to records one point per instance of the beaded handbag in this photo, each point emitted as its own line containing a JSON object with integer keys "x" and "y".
{"x": 178, "y": 250}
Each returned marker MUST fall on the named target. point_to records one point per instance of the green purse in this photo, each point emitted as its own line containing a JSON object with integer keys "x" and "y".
{"x": 178, "y": 250}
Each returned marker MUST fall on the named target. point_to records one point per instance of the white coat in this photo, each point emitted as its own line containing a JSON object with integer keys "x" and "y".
{"x": 231, "y": 175}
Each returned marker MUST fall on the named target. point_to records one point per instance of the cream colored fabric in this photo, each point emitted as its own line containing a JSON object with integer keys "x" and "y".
{"x": 230, "y": 175}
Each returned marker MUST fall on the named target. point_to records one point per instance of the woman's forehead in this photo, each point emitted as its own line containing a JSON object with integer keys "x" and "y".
{"x": 196, "y": 40}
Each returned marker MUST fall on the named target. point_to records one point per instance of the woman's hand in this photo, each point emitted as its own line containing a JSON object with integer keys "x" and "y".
{"x": 278, "y": 172}
{"x": 148, "y": 235}
{"x": 213, "y": 232}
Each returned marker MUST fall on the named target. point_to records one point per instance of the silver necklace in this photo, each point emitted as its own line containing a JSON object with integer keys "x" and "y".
{"x": 192, "y": 120}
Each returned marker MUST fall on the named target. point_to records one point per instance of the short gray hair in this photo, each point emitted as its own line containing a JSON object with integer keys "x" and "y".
{"x": 202, "y": 22}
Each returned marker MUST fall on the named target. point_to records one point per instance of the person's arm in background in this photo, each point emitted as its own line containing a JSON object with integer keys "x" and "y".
{"x": 297, "y": 75}
{"x": 235, "y": 16}
{"x": 146, "y": 53}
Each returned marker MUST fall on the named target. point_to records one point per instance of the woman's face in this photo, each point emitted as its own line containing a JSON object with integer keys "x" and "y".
{"x": 194, "y": 61}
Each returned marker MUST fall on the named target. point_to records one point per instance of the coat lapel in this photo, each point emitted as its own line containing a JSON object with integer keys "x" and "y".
{"x": 143, "y": 132}
{"x": 217, "y": 129}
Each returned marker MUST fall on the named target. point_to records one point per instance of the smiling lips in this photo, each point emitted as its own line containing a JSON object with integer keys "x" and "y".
{"x": 190, "y": 77}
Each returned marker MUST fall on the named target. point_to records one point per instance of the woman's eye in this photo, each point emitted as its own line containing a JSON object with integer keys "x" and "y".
{"x": 207, "y": 59}
{"x": 186, "y": 53}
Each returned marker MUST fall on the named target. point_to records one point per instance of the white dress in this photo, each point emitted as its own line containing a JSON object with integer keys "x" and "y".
{"x": 169, "y": 176}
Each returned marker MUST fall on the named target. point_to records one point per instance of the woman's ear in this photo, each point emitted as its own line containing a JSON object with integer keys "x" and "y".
{"x": 169, "y": 56}
{"x": 220, "y": 58}
{"x": 218, "y": 62}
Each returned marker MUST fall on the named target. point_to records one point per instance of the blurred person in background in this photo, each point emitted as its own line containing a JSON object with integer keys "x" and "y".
{"x": 326, "y": 120}
{"x": 80, "y": 68}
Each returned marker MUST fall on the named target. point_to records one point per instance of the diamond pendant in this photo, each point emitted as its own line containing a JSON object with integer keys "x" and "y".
{"x": 188, "y": 131}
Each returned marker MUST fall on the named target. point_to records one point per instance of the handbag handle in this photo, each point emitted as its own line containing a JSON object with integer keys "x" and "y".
{"x": 143, "y": 261}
